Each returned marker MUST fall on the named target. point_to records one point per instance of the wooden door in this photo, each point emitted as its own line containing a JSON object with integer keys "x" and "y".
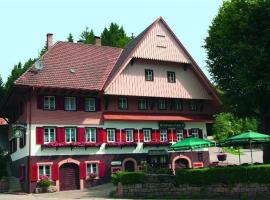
{"x": 69, "y": 178}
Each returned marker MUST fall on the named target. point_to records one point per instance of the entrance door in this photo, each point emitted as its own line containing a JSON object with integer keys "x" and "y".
{"x": 69, "y": 177}
{"x": 129, "y": 166}
{"x": 181, "y": 163}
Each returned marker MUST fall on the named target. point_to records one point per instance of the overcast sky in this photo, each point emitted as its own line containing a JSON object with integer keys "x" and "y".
{"x": 24, "y": 23}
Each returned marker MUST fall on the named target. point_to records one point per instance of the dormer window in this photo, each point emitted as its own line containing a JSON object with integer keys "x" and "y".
{"x": 123, "y": 103}
{"x": 162, "y": 104}
{"x": 171, "y": 77}
{"x": 193, "y": 106}
{"x": 49, "y": 103}
{"x": 70, "y": 103}
{"x": 149, "y": 75}
{"x": 90, "y": 104}
{"x": 142, "y": 104}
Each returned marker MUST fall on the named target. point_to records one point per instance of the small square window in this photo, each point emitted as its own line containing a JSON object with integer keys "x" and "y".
{"x": 129, "y": 135}
{"x": 142, "y": 104}
{"x": 146, "y": 135}
{"x": 171, "y": 77}
{"x": 163, "y": 135}
{"x": 71, "y": 134}
{"x": 44, "y": 170}
{"x": 91, "y": 135}
{"x": 178, "y": 105}
{"x": 149, "y": 75}
{"x": 92, "y": 168}
{"x": 49, "y": 135}
{"x": 70, "y": 103}
{"x": 49, "y": 103}
{"x": 195, "y": 132}
{"x": 162, "y": 104}
{"x": 123, "y": 103}
{"x": 193, "y": 106}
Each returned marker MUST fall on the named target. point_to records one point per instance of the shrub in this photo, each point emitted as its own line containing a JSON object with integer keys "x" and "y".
{"x": 224, "y": 175}
{"x": 165, "y": 171}
{"x": 44, "y": 182}
{"x": 128, "y": 178}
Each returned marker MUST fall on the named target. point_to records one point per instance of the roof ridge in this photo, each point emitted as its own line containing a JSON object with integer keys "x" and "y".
{"x": 92, "y": 45}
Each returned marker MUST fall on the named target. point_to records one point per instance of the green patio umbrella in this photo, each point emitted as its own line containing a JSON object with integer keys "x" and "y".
{"x": 191, "y": 144}
{"x": 247, "y": 138}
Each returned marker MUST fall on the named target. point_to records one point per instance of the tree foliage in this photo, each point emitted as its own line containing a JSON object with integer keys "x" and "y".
{"x": 115, "y": 36}
{"x": 238, "y": 56}
{"x": 70, "y": 38}
{"x": 87, "y": 37}
{"x": 227, "y": 125}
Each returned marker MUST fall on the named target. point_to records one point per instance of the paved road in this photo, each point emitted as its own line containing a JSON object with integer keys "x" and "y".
{"x": 234, "y": 159}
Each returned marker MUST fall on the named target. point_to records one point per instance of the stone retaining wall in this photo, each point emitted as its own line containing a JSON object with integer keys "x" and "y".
{"x": 164, "y": 186}
{"x": 4, "y": 186}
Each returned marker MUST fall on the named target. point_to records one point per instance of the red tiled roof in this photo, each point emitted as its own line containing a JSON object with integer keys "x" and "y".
{"x": 147, "y": 117}
{"x": 91, "y": 66}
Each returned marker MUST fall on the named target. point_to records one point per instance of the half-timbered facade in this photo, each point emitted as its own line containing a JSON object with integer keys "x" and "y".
{"x": 91, "y": 110}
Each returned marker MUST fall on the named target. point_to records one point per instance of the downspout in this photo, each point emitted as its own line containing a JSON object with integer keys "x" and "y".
{"x": 29, "y": 134}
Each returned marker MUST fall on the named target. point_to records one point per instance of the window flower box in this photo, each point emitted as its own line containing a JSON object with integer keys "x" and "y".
{"x": 156, "y": 143}
{"x": 71, "y": 145}
{"x": 121, "y": 144}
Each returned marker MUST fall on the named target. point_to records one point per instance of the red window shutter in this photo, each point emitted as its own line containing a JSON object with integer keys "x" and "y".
{"x": 61, "y": 134}
{"x": 98, "y": 104}
{"x": 101, "y": 169}
{"x": 82, "y": 170}
{"x": 81, "y": 134}
{"x": 60, "y": 103}
{"x": 170, "y": 135}
{"x": 34, "y": 172}
{"x": 40, "y": 101}
{"x": 174, "y": 135}
{"x": 153, "y": 135}
{"x": 100, "y": 135}
{"x": 185, "y": 133}
{"x": 157, "y": 135}
{"x": 123, "y": 135}
{"x": 104, "y": 135}
{"x": 80, "y": 103}
{"x": 141, "y": 136}
{"x": 55, "y": 172}
{"x": 39, "y": 135}
{"x": 117, "y": 132}
{"x": 189, "y": 132}
{"x": 136, "y": 135}
{"x": 200, "y": 132}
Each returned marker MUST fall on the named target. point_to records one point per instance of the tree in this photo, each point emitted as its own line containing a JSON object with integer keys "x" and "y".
{"x": 70, "y": 38}
{"x": 2, "y": 91}
{"x": 87, "y": 37}
{"x": 115, "y": 36}
{"x": 238, "y": 57}
{"x": 227, "y": 125}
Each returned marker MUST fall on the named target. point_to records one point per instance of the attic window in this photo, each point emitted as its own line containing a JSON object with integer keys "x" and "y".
{"x": 72, "y": 71}
{"x": 158, "y": 35}
{"x": 164, "y": 47}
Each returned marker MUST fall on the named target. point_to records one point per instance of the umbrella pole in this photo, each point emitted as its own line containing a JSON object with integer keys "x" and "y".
{"x": 191, "y": 158}
{"x": 251, "y": 152}
{"x": 239, "y": 155}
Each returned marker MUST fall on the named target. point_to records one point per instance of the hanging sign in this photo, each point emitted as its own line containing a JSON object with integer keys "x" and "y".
{"x": 171, "y": 124}
{"x": 18, "y": 129}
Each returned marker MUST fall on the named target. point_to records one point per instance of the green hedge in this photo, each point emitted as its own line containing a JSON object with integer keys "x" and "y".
{"x": 224, "y": 175}
{"x": 128, "y": 178}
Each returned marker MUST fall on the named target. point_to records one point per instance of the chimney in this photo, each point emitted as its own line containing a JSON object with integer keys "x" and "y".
{"x": 49, "y": 42}
{"x": 97, "y": 41}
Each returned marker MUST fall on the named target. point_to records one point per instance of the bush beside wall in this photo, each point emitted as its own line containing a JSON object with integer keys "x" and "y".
{"x": 128, "y": 178}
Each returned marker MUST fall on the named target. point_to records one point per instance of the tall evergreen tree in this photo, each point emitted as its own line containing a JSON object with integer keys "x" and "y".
{"x": 2, "y": 91}
{"x": 87, "y": 37}
{"x": 115, "y": 36}
{"x": 70, "y": 38}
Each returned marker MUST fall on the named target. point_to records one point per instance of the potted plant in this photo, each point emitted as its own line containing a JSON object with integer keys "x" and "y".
{"x": 44, "y": 183}
{"x": 91, "y": 177}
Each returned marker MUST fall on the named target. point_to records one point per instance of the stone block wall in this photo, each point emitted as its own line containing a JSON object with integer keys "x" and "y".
{"x": 164, "y": 186}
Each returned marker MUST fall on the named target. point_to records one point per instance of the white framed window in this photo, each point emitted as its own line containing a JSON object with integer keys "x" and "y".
{"x": 111, "y": 135}
{"x": 123, "y": 103}
{"x": 178, "y": 104}
{"x": 49, "y": 134}
{"x": 162, "y": 104}
{"x": 171, "y": 77}
{"x": 92, "y": 168}
{"x": 142, "y": 104}
{"x": 193, "y": 106}
{"x": 71, "y": 134}
{"x": 195, "y": 132}
{"x": 149, "y": 75}
{"x": 146, "y": 135}
{"x": 129, "y": 135}
{"x": 90, "y": 104}
{"x": 91, "y": 135}
{"x": 49, "y": 103}
{"x": 179, "y": 134}
{"x": 70, "y": 103}
{"x": 163, "y": 135}
{"x": 44, "y": 170}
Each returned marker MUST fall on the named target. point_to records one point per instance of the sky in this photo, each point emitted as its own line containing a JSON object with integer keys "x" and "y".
{"x": 25, "y": 23}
